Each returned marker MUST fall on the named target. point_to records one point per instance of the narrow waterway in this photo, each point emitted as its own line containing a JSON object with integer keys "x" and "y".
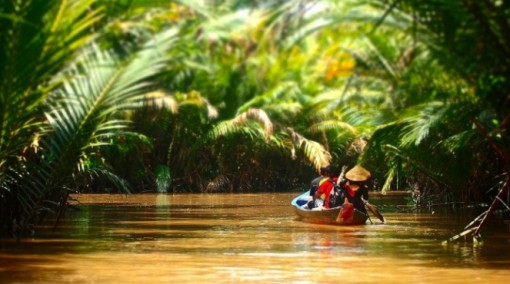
{"x": 252, "y": 238}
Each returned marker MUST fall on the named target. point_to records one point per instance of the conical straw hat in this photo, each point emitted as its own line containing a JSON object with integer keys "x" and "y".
{"x": 358, "y": 173}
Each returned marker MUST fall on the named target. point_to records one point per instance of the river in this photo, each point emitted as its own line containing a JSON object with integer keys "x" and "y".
{"x": 251, "y": 238}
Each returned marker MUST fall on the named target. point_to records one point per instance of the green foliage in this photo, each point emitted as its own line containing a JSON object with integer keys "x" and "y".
{"x": 241, "y": 96}
{"x": 38, "y": 40}
{"x": 65, "y": 106}
{"x": 452, "y": 86}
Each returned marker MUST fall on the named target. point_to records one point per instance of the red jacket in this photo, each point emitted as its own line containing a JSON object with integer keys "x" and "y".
{"x": 324, "y": 190}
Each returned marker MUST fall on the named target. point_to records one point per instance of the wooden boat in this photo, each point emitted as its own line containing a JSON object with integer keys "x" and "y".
{"x": 324, "y": 215}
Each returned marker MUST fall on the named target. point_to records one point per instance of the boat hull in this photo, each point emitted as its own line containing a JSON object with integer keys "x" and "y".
{"x": 326, "y": 216}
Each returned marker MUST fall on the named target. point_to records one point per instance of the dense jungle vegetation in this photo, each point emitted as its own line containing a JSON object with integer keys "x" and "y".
{"x": 249, "y": 96}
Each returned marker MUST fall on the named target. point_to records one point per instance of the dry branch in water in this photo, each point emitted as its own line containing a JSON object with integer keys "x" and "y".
{"x": 475, "y": 226}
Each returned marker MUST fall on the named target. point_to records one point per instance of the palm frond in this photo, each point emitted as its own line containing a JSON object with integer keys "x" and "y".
{"x": 38, "y": 38}
{"x": 419, "y": 161}
{"x": 435, "y": 116}
{"x": 259, "y": 116}
{"x": 160, "y": 100}
{"x": 80, "y": 112}
{"x": 102, "y": 86}
{"x": 332, "y": 124}
{"x": 223, "y": 128}
{"x": 194, "y": 98}
{"x": 97, "y": 172}
{"x": 280, "y": 92}
{"x": 419, "y": 125}
{"x": 313, "y": 151}
{"x": 241, "y": 124}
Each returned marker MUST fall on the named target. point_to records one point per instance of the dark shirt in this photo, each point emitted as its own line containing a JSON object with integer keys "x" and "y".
{"x": 356, "y": 197}
{"x": 315, "y": 184}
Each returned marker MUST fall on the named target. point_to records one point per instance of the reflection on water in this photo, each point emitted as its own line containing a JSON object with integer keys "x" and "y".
{"x": 249, "y": 238}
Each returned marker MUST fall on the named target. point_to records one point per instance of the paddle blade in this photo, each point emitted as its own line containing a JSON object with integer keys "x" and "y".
{"x": 374, "y": 211}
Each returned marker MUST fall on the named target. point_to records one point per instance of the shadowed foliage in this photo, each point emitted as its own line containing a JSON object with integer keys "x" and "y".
{"x": 249, "y": 96}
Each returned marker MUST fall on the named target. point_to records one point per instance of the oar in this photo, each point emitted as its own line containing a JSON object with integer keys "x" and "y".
{"x": 374, "y": 211}
{"x": 335, "y": 189}
{"x": 341, "y": 176}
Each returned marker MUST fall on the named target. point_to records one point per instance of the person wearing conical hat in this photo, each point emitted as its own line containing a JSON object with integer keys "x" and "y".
{"x": 354, "y": 189}
{"x": 358, "y": 174}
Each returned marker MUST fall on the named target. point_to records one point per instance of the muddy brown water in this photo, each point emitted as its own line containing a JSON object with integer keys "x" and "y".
{"x": 250, "y": 238}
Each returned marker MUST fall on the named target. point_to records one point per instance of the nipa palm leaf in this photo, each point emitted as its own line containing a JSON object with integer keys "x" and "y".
{"x": 82, "y": 112}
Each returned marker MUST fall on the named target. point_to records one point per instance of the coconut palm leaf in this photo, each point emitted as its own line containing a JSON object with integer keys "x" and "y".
{"x": 419, "y": 125}
{"x": 81, "y": 111}
{"x": 284, "y": 90}
{"x": 259, "y": 116}
{"x": 326, "y": 125}
{"x": 237, "y": 124}
{"x": 37, "y": 39}
{"x": 313, "y": 151}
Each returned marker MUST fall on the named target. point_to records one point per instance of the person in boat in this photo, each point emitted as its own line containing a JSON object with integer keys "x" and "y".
{"x": 314, "y": 185}
{"x": 323, "y": 193}
{"x": 354, "y": 189}
{"x": 323, "y": 174}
